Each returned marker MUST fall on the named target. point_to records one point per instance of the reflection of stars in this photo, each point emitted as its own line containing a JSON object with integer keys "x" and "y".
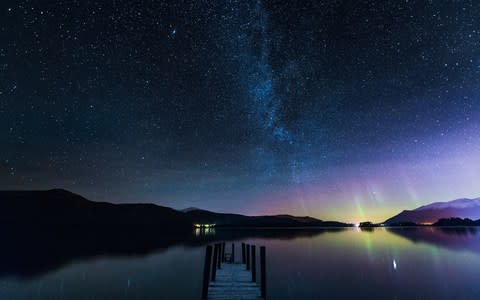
{"x": 173, "y": 32}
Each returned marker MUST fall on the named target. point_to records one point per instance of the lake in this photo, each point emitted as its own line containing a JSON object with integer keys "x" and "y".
{"x": 380, "y": 263}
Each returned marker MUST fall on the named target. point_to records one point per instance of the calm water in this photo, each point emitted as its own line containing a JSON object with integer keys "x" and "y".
{"x": 413, "y": 263}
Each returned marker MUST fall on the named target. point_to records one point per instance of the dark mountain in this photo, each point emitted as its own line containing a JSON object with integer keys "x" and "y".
{"x": 235, "y": 220}
{"x": 431, "y": 213}
{"x": 61, "y": 207}
{"x": 189, "y": 209}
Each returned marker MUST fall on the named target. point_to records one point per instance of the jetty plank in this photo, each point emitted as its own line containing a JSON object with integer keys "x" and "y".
{"x": 233, "y": 281}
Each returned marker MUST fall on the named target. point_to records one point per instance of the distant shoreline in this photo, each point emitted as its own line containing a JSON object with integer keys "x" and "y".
{"x": 59, "y": 207}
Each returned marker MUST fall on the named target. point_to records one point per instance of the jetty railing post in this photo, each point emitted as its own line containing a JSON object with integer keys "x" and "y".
{"x": 219, "y": 261}
{"x": 243, "y": 253}
{"x": 214, "y": 262}
{"x": 248, "y": 257}
{"x": 223, "y": 252}
{"x": 254, "y": 265}
{"x": 263, "y": 273}
{"x": 233, "y": 253}
{"x": 206, "y": 271}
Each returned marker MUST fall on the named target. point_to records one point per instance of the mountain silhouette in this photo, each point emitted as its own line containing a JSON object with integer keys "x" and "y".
{"x": 59, "y": 207}
{"x": 63, "y": 208}
{"x": 431, "y": 213}
{"x": 236, "y": 220}
{"x": 45, "y": 230}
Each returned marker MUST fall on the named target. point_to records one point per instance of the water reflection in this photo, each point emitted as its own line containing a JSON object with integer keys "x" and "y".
{"x": 377, "y": 263}
{"x": 204, "y": 231}
{"x": 453, "y": 238}
{"x": 29, "y": 252}
{"x": 366, "y": 229}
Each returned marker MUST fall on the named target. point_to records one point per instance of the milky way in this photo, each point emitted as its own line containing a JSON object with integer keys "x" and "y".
{"x": 335, "y": 109}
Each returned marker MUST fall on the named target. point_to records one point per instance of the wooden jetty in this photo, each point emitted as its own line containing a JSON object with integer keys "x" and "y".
{"x": 225, "y": 278}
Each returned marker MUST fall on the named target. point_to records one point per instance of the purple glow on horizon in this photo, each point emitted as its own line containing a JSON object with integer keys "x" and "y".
{"x": 377, "y": 191}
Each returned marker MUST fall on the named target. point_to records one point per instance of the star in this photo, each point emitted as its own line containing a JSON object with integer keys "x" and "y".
{"x": 249, "y": 101}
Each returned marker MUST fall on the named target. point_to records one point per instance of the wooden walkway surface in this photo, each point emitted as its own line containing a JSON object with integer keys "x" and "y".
{"x": 233, "y": 281}
{"x": 225, "y": 279}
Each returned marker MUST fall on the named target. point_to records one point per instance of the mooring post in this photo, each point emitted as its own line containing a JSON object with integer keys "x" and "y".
{"x": 223, "y": 252}
{"x": 243, "y": 253}
{"x": 219, "y": 261}
{"x": 233, "y": 253}
{"x": 254, "y": 265}
{"x": 214, "y": 262}
{"x": 206, "y": 271}
{"x": 263, "y": 273}
{"x": 248, "y": 257}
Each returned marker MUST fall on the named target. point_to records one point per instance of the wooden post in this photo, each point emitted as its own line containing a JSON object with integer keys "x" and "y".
{"x": 223, "y": 252}
{"x": 233, "y": 253}
{"x": 263, "y": 273}
{"x": 248, "y": 257}
{"x": 214, "y": 262}
{"x": 219, "y": 261}
{"x": 206, "y": 271}
{"x": 243, "y": 253}
{"x": 254, "y": 265}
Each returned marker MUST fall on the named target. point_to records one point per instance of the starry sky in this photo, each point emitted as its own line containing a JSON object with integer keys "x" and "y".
{"x": 347, "y": 110}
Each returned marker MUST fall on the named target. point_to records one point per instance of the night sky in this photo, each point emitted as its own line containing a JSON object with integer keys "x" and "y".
{"x": 347, "y": 110}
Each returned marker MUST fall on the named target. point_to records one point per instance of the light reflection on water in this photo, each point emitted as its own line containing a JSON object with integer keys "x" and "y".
{"x": 199, "y": 232}
{"x": 408, "y": 263}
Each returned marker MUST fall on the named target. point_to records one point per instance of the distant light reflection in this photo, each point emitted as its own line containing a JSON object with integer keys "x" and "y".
{"x": 203, "y": 231}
